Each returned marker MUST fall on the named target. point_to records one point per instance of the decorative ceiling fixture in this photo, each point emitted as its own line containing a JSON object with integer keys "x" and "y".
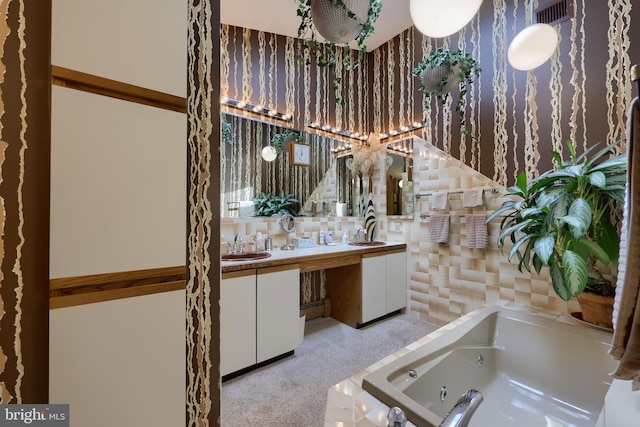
{"x": 441, "y": 18}
{"x": 339, "y": 22}
{"x": 534, "y": 45}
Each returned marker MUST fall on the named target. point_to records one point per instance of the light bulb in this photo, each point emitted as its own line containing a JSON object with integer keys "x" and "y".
{"x": 441, "y": 18}
{"x": 269, "y": 153}
{"x": 532, "y": 47}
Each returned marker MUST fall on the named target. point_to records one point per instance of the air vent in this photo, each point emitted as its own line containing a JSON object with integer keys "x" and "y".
{"x": 555, "y": 12}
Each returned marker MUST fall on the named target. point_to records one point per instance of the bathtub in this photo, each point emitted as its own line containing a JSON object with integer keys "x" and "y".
{"x": 533, "y": 371}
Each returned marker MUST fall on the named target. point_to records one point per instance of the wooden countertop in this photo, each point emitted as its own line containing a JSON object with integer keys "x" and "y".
{"x": 312, "y": 259}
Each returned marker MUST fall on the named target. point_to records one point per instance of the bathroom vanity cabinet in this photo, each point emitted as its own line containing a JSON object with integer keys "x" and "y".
{"x": 259, "y": 311}
{"x": 260, "y": 300}
{"x": 373, "y": 288}
{"x": 384, "y": 284}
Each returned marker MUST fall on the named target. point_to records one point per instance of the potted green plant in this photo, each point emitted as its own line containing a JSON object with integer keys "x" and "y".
{"x": 339, "y": 22}
{"x": 443, "y": 71}
{"x": 268, "y": 204}
{"x": 561, "y": 219}
{"x": 282, "y": 139}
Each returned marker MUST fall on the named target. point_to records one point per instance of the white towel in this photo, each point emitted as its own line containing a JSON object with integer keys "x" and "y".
{"x": 472, "y": 198}
{"x": 439, "y": 200}
{"x": 477, "y": 235}
{"x": 626, "y": 314}
{"x": 439, "y": 228}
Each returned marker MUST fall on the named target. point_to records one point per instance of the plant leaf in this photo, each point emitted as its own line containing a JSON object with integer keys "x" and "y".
{"x": 576, "y": 272}
{"x": 580, "y": 209}
{"x": 557, "y": 278}
{"x": 598, "y": 179}
{"x": 544, "y": 248}
{"x": 595, "y": 249}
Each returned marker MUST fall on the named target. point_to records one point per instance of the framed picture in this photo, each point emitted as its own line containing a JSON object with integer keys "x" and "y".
{"x": 300, "y": 154}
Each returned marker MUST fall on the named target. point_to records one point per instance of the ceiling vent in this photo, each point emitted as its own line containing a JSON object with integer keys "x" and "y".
{"x": 555, "y": 12}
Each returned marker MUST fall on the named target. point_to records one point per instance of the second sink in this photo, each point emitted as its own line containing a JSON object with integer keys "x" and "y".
{"x": 245, "y": 256}
{"x": 368, "y": 243}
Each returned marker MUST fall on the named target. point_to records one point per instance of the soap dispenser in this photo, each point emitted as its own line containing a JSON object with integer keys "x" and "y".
{"x": 345, "y": 237}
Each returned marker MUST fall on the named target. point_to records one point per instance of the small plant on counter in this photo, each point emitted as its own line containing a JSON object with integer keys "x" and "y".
{"x": 268, "y": 204}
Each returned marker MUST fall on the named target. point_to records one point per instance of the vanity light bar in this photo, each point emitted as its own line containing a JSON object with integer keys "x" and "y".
{"x": 403, "y": 129}
{"x": 257, "y": 109}
{"x": 341, "y": 147}
{"x": 404, "y": 147}
{"x": 337, "y": 131}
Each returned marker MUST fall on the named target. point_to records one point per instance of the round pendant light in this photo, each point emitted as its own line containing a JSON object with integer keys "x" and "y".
{"x": 532, "y": 47}
{"x": 441, "y": 18}
{"x": 269, "y": 153}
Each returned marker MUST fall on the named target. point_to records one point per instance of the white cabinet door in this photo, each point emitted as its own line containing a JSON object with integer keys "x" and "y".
{"x": 374, "y": 288}
{"x": 278, "y": 310}
{"x": 237, "y": 323}
{"x": 396, "y": 281}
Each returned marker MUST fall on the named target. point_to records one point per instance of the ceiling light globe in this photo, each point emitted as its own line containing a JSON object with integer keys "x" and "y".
{"x": 532, "y": 47}
{"x": 269, "y": 153}
{"x": 441, "y": 18}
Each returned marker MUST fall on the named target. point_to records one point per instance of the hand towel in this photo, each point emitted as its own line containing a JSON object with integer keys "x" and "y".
{"x": 477, "y": 235}
{"x": 439, "y": 228}
{"x": 439, "y": 200}
{"x": 472, "y": 198}
{"x": 626, "y": 315}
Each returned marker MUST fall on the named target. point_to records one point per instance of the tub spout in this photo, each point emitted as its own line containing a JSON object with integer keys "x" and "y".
{"x": 464, "y": 408}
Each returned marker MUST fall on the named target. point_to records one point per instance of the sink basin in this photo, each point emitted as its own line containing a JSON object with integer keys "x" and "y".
{"x": 251, "y": 256}
{"x": 368, "y": 243}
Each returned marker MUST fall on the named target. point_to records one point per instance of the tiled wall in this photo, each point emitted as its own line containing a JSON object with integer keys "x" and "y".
{"x": 445, "y": 280}
{"x": 449, "y": 280}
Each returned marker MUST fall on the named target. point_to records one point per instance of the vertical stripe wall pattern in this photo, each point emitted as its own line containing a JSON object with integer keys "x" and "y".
{"x": 515, "y": 117}
{"x": 203, "y": 224}
{"x": 25, "y": 140}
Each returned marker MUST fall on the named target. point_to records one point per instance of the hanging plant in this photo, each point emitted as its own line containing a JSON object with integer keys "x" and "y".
{"x": 282, "y": 139}
{"x": 339, "y": 22}
{"x": 226, "y": 130}
{"x": 442, "y": 72}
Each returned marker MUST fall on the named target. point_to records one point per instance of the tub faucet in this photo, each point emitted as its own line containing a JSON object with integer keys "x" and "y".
{"x": 464, "y": 408}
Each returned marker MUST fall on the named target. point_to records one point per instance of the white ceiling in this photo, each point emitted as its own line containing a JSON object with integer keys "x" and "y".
{"x": 279, "y": 17}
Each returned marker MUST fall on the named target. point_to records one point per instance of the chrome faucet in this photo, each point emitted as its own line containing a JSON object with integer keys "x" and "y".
{"x": 462, "y": 411}
{"x": 360, "y": 235}
{"x": 238, "y": 245}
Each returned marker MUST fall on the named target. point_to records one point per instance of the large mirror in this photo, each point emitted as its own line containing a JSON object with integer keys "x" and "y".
{"x": 325, "y": 187}
{"x": 400, "y": 194}
{"x": 245, "y": 174}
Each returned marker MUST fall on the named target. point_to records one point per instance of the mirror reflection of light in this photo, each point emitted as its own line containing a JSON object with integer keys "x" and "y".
{"x": 269, "y": 153}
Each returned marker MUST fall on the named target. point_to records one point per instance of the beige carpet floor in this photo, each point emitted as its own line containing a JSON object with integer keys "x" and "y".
{"x": 292, "y": 392}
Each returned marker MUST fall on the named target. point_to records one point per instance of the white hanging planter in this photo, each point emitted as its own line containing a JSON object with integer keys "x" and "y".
{"x": 431, "y": 77}
{"x": 334, "y": 24}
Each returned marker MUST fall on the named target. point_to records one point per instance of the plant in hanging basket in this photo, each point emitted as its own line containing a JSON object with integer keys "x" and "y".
{"x": 226, "y": 131}
{"x": 280, "y": 140}
{"x": 561, "y": 219}
{"x": 443, "y": 71}
{"x": 339, "y": 22}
